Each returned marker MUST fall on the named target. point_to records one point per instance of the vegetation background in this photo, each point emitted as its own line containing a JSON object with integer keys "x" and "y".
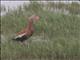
{"x": 56, "y": 37}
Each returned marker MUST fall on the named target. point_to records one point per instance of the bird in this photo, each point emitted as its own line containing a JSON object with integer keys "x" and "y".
{"x": 28, "y": 31}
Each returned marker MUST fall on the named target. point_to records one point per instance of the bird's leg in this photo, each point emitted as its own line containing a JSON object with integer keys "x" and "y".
{"x": 24, "y": 43}
{"x": 20, "y": 43}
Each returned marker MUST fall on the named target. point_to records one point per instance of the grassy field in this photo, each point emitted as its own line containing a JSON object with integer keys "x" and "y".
{"x": 56, "y": 37}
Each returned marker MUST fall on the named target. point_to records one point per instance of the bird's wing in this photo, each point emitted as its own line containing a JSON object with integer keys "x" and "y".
{"x": 22, "y": 31}
{"x": 21, "y": 35}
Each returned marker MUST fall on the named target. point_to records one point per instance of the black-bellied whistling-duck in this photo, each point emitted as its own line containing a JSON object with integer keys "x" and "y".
{"x": 27, "y": 32}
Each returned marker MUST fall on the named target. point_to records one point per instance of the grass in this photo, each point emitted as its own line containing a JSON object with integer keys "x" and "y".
{"x": 56, "y": 37}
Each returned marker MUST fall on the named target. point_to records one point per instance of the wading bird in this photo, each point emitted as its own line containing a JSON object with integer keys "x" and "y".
{"x": 27, "y": 32}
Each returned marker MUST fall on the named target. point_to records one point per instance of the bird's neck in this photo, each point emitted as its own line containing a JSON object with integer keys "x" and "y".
{"x": 30, "y": 24}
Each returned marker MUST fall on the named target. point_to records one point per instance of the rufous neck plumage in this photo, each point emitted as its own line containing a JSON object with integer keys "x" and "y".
{"x": 30, "y": 24}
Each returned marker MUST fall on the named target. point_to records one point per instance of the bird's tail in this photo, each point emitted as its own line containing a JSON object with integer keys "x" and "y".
{"x": 14, "y": 38}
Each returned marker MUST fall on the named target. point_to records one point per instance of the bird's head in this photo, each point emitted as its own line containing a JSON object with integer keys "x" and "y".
{"x": 34, "y": 18}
